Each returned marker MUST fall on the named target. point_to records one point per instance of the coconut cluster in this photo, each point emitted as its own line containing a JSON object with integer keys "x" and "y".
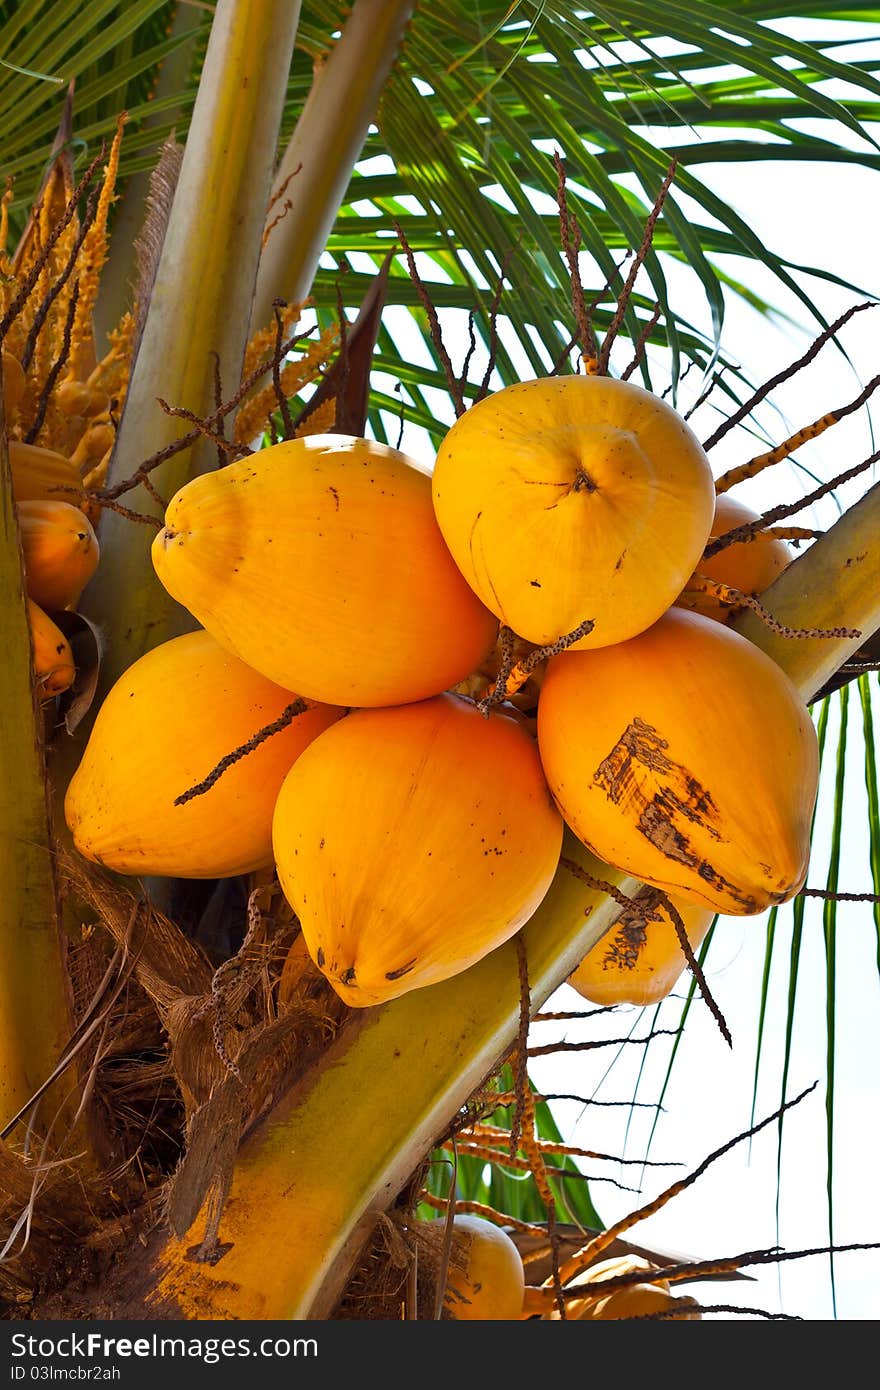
{"x": 413, "y": 827}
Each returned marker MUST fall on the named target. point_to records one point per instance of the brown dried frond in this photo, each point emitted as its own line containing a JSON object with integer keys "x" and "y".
{"x": 151, "y": 238}
{"x": 402, "y": 1271}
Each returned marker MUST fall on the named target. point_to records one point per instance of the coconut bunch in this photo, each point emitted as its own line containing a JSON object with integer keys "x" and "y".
{"x": 342, "y": 713}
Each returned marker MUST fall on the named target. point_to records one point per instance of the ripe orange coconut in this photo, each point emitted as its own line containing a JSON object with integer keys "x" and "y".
{"x": 412, "y": 841}
{"x": 684, "y": 756}
{"x": 750, "y": 566}
{"x": 486, "y": 1279}
{"x": 574, "y": 498}
{"x": 60, "y": 551}
{"x": 53, "y": 659}
{"x": 40, "y": 473}
{"x": 654, "y": 1295}
{"x": 319, "y": 563}
{"x": 639, "y": 961}
{"x": 163, "y": 727}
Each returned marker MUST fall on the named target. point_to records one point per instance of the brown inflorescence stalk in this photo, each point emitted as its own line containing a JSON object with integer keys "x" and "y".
{"x": 287, "y": 716}
{"x": 177, "y": 446}
{"x": 49, "y": 384}
{"x": 499, "y": 1218}
{"x": 483, "y": 388}
{"x": 493, "y": 1137}
{"x": 499, "y": 691}
{"x": 764, "y": 391}
{"x": 42, "y": 259}
{"x": 52, "y": 294}
{"x": 794, "y": 441}
{"x": 283, "y": 403}
{"x": 594, "y": 1247}
{"x": 570, "y": 235}
{"x": 600, "y": 886}
{"x": 547, "y": 1048}
{"x": 452, "y": 381}
{"x": 749, "y": 528}
{"x": 519, "y": 1062}
{"x": 695, "y": 967}
{"x": 641, "y": 344}
{"x": 206, "y": 428}
{"x": 727, "y": 594}
{"x": 626, "y": 292}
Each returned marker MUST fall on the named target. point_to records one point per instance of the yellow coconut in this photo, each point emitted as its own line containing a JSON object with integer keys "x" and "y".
{"x": 411, "y": 841}
{"x": 40, "y": 473}
{"x": 60, "y": 551}
{"x": 486, "y": 1280}
{"x": 574, "y": 498}
{"x": 163, "y": 727}
{"x": 53, "y": 660}
{"x": 750, "y": 566}
{"x": 639, "y": 961}
{"x": 641, "y": 1300}
{"x": 684, "y": 756}
{"x": 319, "y": 562}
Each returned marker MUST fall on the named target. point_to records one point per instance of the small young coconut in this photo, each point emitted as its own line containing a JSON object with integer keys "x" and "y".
{"x": 412, "y": 841}
{"x": 319, "y": 563}
{"x": 40, "y": 473}
{"x": 165, "y": 724}
{"x": 54, "y": 668}
{"x": 60, "y": 551}
{"x": 652, "y": 1296}
{"x": 639, "y": 961}
{"x": 574, "y": 498}
{"x": 687, "y": 757}
{"x": 485, "y": 1280}
{"x": 750, "y": 566}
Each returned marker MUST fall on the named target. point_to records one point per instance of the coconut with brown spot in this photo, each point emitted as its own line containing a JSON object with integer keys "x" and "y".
{"x": 638, "y": 960}
{"x": 686, "y": 757}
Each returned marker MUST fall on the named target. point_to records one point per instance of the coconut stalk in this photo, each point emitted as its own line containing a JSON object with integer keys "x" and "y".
{"x": 311, "y": 1180}
{"x": 317, "y": 165}
{"x": 200, "y": 305}
{"x": 34, "y": 1014}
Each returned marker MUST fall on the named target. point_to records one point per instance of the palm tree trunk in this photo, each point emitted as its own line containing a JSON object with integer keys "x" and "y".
{"x": 201, "y": 304}
{"x": 34, "y": 1015}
